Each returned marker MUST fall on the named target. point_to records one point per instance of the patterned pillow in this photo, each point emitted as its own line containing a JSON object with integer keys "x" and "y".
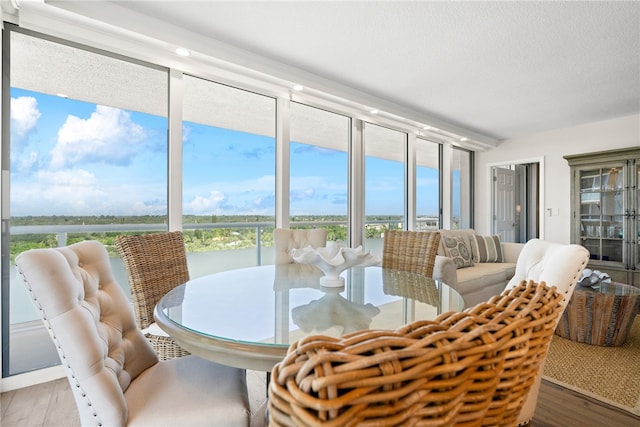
{"x": 456, "y": 248}
{"x": 486, "y": 249}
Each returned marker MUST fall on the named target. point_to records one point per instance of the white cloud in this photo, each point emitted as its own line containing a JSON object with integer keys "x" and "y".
{"x": 206, "y": 205}
{"x": 68, "y": 192}
{"x": 24, "y": 115}
{"x": 28, "y": 160}
{"x": 108, "y": 135}
{"x": 304, "y": 194}
{"x": 68, "y": 178}
{"x": 264, "y": 204}
{"x": 80, "y": 192}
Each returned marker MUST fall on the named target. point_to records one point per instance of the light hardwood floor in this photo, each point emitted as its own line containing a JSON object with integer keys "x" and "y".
{"x": 51, "y": 405}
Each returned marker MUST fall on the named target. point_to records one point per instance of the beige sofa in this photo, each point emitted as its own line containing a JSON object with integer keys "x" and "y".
{"x": 482, "y": 280}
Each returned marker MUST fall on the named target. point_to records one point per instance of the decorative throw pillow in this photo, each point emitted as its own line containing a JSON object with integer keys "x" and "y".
{"x": 486, "y": 249}
{"x": 456, "y": 248}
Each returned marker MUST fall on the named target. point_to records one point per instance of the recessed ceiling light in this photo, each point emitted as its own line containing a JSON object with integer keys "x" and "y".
{"x": 463, "y": 139}
{"x": 182, "y": 51}
{"x": 426, "y": 127}
{"x": 298, "y": 87}
{"x": 374, "y": 111}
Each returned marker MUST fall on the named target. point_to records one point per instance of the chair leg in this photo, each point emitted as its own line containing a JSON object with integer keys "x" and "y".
{"x": 268, "y": 381}
{"x": 266, "y": 410}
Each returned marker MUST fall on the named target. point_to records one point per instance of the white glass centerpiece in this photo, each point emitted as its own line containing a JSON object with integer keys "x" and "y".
{"x": 333, "y": 260}
{"x": 333, "y": 312}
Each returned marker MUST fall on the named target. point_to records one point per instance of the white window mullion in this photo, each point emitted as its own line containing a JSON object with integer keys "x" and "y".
{"x": 447, "y": 167}
{"x": 174, "y": 161}
{"x": 282, "y": 187}
{"x": 410, "y": 184}
{"x": 356, "y": 219}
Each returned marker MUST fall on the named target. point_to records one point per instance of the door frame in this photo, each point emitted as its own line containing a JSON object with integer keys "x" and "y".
{"x": 541, "y": 186}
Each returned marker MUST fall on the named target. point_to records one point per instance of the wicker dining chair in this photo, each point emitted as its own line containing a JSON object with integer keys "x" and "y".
{"x": 413, "y": 251}
{"x": 155, "y": 264}
{"x": 470, "y": 368}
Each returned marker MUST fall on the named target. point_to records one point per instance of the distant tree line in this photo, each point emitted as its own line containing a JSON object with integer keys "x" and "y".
{"x": 196, "y": 240}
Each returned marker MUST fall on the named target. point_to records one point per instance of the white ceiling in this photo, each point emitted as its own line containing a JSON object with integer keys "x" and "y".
{"x": 500, "y": 69}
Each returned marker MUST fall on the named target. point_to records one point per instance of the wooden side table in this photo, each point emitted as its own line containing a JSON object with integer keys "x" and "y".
{"x": 601, "y": 316}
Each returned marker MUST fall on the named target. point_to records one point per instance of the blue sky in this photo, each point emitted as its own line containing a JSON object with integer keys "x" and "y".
{"x": 74, "y": 158}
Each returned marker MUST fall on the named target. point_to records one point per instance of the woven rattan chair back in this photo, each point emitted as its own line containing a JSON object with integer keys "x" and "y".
{"x": 471, "y": 368}
{"x": 155, "y": 264}
{"x": 413, "y": 251}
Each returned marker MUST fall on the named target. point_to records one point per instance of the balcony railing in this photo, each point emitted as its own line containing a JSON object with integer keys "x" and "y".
{"x": 24, "y": 319}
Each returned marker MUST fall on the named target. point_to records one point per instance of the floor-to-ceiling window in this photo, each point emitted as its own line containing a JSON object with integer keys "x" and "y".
{"x": 87, "y": 159}
{"x": 428, "y": 187}
{"x": 319, "y": 170}
{"x": 384, "y": 185}
{"x": 461, "y": 188}
{"x": 228, "y": 176}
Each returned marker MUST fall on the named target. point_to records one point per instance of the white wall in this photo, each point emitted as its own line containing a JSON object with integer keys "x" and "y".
{"x": 622, "y": 132}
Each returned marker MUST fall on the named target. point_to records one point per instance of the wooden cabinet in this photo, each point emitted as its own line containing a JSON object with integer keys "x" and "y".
{"x": 605, "y": 214}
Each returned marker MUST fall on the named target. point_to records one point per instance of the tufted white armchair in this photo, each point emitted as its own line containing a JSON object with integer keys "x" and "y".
{"x": 114, "y": 373}
{"x": 557, "y": 265}
{"x": 285, "y": 240}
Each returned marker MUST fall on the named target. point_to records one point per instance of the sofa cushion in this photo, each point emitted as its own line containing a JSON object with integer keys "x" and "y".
{"x": 457, "y": 248}
{"x": 486, "y": 249}
{"x": 484, "y": 275}
{"x": 466, "y": 233}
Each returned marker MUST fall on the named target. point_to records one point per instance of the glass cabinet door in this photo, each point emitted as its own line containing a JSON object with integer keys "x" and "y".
{"x": 605, "y": 210}
{"x": 635, "y": 215}
{"x": 602, "y": 213}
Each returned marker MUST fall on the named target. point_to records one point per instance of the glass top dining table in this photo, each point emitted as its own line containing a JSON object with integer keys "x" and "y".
{"x": 248, "y": 317}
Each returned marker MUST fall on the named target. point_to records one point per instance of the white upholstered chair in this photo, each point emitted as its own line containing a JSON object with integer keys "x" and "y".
{"x": 557, "y": 265}
{"x": 286, "y": 240}
{"x": 114, "y": 373}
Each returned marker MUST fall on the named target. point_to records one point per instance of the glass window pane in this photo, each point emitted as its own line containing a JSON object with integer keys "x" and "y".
{"x": 319, "y": 165}
{"x": 384, "y": 183}
{"x": 427, "y": 185}
{"x": 228, "y": 176}
{"x": 88, "y": 160}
